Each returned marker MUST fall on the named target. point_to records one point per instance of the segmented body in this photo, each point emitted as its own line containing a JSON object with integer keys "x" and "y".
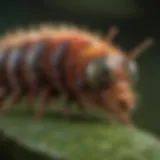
{"x": 49, "y": 62}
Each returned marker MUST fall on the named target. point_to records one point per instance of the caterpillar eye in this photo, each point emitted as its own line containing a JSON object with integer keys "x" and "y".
{"x": 97, "y": 74}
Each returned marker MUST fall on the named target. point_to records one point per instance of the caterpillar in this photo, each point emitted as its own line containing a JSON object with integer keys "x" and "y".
{"x": 87, "y": 68}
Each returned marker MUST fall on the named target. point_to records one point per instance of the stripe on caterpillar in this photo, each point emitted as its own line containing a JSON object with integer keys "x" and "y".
{"x": 3, "y": 76}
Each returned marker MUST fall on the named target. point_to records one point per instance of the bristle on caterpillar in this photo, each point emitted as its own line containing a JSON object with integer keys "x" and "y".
{"x": 49, "y": 61}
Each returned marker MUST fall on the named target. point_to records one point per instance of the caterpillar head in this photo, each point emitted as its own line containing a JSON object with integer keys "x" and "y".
{"x": 114, "y": 76}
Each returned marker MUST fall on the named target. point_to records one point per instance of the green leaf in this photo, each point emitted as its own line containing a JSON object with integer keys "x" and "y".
{"x": 78, "y": 139}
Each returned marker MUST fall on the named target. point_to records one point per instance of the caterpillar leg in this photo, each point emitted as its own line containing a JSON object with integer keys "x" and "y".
{"x": 44, "y": 96}
{"x": 11, "y": 102}
{"x": 52, "y": 97}
{"x": 3, "y": 94}
{"x": 124, "y": 117}
{"x": 67, "y": 112}
{"x": 82, "y": 110}
{"x": 32, "y": 96}
{"x": 116, "y": 113}
{"x": 32, "y": 85}
{"x": 82, "y": 106}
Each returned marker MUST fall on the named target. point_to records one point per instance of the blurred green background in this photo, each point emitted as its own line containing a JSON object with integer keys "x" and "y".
{"x": 136, "y": 20}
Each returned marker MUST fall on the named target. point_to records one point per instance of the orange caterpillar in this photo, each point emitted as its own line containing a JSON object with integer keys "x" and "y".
{"x": 53, "y": 61}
